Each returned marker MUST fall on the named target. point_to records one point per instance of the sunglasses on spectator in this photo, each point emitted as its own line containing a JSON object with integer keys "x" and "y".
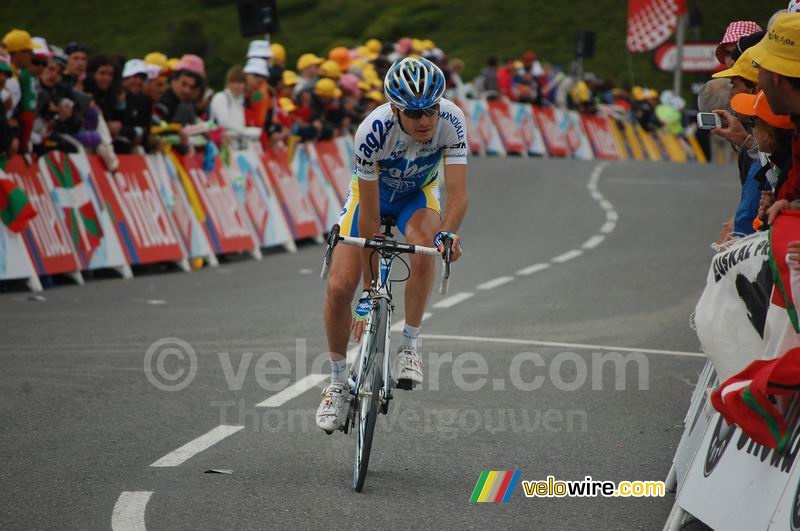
{"x": 416, "y": 114}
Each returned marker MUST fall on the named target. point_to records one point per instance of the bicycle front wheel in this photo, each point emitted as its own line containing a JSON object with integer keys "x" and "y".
{"x": 369, "y": 396}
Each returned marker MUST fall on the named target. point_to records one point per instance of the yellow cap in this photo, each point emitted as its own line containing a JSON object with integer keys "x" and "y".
{"x": 278, "y": 53}
{"x": 18, "y": 41}
{"x": 326, "y": 88}
{"x": 637, "y": 93}
{"x": 330, "y": 69}
{"x": 365, "y": 52}
{"x": 779, "y": 50}
{"x": 158, "y": 59}
{"x": 417, "y": 45}
{"x": 373, "y": 45}
{"x": 174, "y": 63}
{"x": 308, "y": 59}
{"x": 743, "y": 67}
{"x": 428, "y": 44}
{"x": 287, "y": 104}
{"x": 289, "y": 78}
{"x": 580, "y": 92}
{"x": 375, "y": 96}
{"x": 363, "y": 85}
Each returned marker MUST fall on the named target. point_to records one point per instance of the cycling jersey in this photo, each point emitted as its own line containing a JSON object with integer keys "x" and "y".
{"x": 400, "y": 164}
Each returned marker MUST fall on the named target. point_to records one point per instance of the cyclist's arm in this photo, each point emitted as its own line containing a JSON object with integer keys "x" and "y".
{"x": 455, "y": 180}
{"x": 369, "y": 222}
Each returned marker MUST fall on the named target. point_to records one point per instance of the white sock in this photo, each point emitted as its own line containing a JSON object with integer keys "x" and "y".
{"x": 339, "y": 371}
{"x": 410, "y": 335}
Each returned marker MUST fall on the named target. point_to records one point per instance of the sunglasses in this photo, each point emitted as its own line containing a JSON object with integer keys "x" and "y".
{"x": 416, "y": 114}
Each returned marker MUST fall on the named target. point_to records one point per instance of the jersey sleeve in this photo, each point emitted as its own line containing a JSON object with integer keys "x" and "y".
{"x": 366, "y": 152}
{"x": 454, "y": 137}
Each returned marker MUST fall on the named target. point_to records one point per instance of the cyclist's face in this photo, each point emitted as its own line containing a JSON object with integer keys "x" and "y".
{"x": 421, "y": 129}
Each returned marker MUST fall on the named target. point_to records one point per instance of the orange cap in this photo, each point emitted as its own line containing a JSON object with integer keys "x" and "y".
{"x": 757, "y": 105}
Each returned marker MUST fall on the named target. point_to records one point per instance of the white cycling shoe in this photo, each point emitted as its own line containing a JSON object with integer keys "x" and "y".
{"x": 408, "y": 368}
{"x": 332, "y": 410}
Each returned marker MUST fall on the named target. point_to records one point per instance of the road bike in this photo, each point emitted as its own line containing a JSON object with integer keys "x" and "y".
{"x": 370, "y": 377}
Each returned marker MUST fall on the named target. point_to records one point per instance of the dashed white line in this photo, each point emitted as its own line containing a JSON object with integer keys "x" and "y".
{"x": 577, "y": 346}
{"x": 453, "y": 300}
{"x": 612, "y": 215}
{"x": 593, "y": 242}
{"x": 129, "y": 511}
{"x": 605, "y": 204}
{"x": 608, "y": 227}
{"x": 495, "y": 282}
{"x": 192, "y": 448}
{"x": 298, "y": 388}
{"x": 535, "y": 268}
{"x": 569, "y": 255}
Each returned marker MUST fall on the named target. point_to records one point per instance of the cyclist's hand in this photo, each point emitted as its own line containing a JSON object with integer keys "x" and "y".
{"x": 455, "y": 244}
{"x": 360, "y": 315}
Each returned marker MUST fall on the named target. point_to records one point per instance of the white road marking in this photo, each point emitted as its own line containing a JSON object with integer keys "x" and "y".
{"x": 398, "y": 326}
{"x": 192, "y": 448}
{"x": 495, "y": 282}
{"x": 453, "y": 300}
{"x": 593, "y": 242}
{"x": 298, "y": 388}
{"x": 608, "y": 227}
{"x": 129, "y": 511}
{"x": 569, "y": 255}
{"x": 535, "y": 268}
{"x": 612, "y": 215}
{"x": 597, "y": 196}
{"x": 580, "y": 346}
{"x": 605, "y": 204}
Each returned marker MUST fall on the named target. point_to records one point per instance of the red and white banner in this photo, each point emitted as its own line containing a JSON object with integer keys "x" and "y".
{"x": 142, "y": 224}
{"x": 697, "y": 57}
{"x": 226, "y": 227}
{"x": 327, "y": 156}
{"x": 572, "y": 128}
{"x": 652, "y": 22}
{"x": 473, "y": 137}
{"x": 554, "y": 139}
{"x": 46, "y": 237}
{"x": 296, "y": 205}
{"x": 601, "y": 137}
{"x": 324, "y": 200}
{"x": 527, "y": 129}
{"x": 500, "y": 112}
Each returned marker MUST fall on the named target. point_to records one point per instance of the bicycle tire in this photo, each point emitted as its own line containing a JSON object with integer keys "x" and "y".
{"x": 367, "y": 411}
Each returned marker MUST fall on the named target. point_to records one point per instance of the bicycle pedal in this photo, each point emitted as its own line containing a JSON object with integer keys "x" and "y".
{"x": 405, "y": 384}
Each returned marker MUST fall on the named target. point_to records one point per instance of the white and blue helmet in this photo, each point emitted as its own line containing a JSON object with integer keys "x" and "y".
{"x": 414, "y": 83}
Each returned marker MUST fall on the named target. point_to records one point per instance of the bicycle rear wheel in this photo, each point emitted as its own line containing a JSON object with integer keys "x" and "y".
{"x": 369, "y": 397}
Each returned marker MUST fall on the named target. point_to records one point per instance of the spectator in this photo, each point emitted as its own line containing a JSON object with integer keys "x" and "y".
{"x": 227, "y": 106}
{"x": 326, "y": 107}
{"x": 330, "y": 69}
{"x": 41, "y": 54}
{"x": 486, "y": 84}
{"x": 733, "y": 33}
{"x": 260, "y": 49}
{"x": 103, "y": 83}
{"x": 177, "y": 103}
{"x": 288, "y": 82}
{"x": 278, "y": 54}
{"x": 8, "y": 135}
{"x": 459, "y": 90}
{"x": 259, "y": 100}
{"x": 136, "y": 109}
{"x": 715, "y": 95}
{"x": 77, "y": 61}
{"x": 202, "y": 93}
{"x": 20, "y": 47}
{"x": 158, "y": 73}
{"x": 505, "y": 76}
{"x": 308, "y": 70}
{"x": 526, "y": 80}
{"x": 341, "y": 56}
{"x": 778, "y": 59}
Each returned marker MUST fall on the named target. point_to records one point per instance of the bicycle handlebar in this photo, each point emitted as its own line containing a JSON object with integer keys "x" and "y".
{"x": 386, "y": 245}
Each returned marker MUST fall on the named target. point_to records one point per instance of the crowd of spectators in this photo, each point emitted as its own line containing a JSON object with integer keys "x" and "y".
{"x": 757, "y": 97}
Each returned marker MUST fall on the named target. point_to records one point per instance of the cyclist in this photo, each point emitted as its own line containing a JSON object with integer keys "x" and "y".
{"x": 398, "y": 149}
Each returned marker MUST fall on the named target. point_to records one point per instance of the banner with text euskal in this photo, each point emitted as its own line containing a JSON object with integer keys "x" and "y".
{"x": 142, "y": 224}
{"x": 46, "y": 237}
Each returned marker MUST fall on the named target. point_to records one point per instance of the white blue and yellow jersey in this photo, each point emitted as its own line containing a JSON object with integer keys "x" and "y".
{"x": 401, "y": 165}
{"x": 406, "y": 170}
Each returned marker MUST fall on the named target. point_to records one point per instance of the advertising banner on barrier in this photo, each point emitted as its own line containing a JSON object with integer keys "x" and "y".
{"x": 83, "y": 211}
{"x": 15, "y": 263}
{"x": 139, "y": 217}
{"x": 500, "y": 111}
{"x": 651, "y": 147}
{"x": 303, "y": 221}
{"x": 225, "y": 224}
{"x": 184, "y": 217}
{"x": 347, "y": 151}
{"x": 255, "y": 193}
{"x": 324, "y": 200}
{"x": 672, "y": 146}
{"x": 572, "y": 128}
{"x": 554, "y": 138}
{"x": 522, "y": 114}
{"x": 326, "y": 155}
{"x": 601, "y": 137}
{"x": 46, "y": 237}
{"x": 488, "y": 137}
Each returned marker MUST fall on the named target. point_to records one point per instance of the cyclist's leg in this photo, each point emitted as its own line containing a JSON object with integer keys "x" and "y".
{"x": 343, "y": 281}
{"x": 420, "y": 221}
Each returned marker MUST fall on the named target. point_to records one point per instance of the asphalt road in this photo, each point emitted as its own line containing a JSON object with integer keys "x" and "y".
{"x": 82, "y": 423}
